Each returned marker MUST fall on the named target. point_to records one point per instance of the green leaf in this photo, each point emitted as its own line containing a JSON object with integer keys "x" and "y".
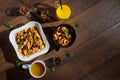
{"x": 35, "y": 10}
{"x": 53, "y": 69}
{"x": 34, "y": 42}
{"x": 9, "y": 25}
{"x": 18, "y": 63}
{"x": 46, "y": 11}
{"x": 65, "y": 31}
{"x": 69, "y": 54}
{"x": 28, "y": 35}
{"x": 77, "y": 25}
{"x": 20, "y": 42}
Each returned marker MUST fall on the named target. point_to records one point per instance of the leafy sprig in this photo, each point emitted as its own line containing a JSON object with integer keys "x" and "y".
{"x": 69, "y": 54}
{"x": 77, "y": 25}
{"x": 20, "y": 42}
{"x": 18, "y": 63}
{"x": 28, "y": 35}
{"x": 46, "y": 11}
{"x": 53, "y": 69}
{"x": 65, "y": 32}
{"x": 35, "y": 10}
{"x": 9, "y": 25}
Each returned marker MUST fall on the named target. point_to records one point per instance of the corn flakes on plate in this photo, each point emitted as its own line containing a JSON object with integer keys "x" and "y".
{"x": 29, "y": 41}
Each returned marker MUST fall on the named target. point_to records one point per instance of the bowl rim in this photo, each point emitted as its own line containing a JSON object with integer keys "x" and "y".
{"x": 12, "y": 40}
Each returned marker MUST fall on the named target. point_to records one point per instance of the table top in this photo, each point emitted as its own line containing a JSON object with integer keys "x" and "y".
{"x": 96, "y": 48}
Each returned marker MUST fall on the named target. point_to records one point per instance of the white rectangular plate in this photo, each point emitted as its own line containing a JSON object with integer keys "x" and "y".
{"x": 12, "y": 39}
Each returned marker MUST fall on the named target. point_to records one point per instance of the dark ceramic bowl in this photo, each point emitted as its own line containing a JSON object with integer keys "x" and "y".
{"x": 71, "y": 31}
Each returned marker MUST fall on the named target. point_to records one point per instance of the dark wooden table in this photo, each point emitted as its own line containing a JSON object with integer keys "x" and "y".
{"x": 96, "y": 48}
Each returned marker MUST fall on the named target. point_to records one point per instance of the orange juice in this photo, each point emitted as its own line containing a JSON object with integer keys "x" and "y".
{"x": 63, "y": 13}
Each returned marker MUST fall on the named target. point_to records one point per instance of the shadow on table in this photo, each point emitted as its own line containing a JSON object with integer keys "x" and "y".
{"x": 35, "y": 16}
{"x": 17, "y": 74}
{"x": 41, "y": 8}
{"x": 29, "y": 3}
{"x": 12, "y": 11}
{"x": 7, "y": 48}
{"x": 49, "y": 34}
{"x": 52, "y": 10}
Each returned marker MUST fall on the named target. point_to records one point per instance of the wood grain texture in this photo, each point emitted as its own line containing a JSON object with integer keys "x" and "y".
{"x": 88, "y": 26}
{"x": 90, "y": 56}
{"x": 10, "y": 9}
{"x": 22, "y": 20}
{"x": 96, "y": 48}
{"x": 105, "y": 71}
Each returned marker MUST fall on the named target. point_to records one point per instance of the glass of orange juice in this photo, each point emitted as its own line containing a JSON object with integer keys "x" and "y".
{"x": 63, "y": 11}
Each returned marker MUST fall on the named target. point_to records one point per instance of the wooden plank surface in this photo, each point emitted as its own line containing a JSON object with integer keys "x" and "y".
{"x": 90, "y": 56}
{"x": 22, "y": 20}
{"x": 88, "y": 31}
{"x": 96, "y": 48}
{"x": 10, "y": 9}
{"x": 107, "y": 71}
